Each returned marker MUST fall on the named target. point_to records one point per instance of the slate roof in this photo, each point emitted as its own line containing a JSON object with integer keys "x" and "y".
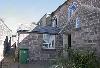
{"x": 46, "y": 30}
{"x": 42, "y": 30}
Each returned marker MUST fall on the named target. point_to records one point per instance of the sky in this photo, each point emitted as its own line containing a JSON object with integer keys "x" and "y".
{"x": 16, "y": 12}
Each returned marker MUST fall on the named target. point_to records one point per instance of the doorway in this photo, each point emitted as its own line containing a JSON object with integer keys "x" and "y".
{"x": 69, "y": 41}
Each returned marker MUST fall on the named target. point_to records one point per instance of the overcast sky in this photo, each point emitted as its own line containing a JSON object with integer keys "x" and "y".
{"x": 15, "y": 12}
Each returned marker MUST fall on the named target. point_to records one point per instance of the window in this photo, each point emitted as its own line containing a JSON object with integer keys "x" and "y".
{"x": 48, "y": 41}
{"x": 54, "y": 21}
{"x": 46, "y": 38}
{"x": 71, "y": 9}
{"x": 77, "y": 23}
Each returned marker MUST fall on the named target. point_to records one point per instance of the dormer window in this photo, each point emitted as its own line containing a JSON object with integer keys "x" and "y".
{"x": 71, "y": 9}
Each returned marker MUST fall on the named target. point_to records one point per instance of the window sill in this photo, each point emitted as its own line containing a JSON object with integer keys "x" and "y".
{"x": 48, "y": 48}
{"x": 77, "y": 29}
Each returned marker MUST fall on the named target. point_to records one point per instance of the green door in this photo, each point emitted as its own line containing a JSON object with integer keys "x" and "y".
{"x": 23, "y": 56}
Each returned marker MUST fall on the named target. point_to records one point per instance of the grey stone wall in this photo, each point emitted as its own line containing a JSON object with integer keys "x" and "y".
{"x": 87, "y": 36}
{"x": 35, "y": 42}
{"x": 94, "y": 3}
{"x": 61, "y": 15}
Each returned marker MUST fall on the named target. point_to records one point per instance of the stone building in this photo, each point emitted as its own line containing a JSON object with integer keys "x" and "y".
{"x": 4, "y": 31}
{"x": 80, "y": 24}
{"x": 43, "y": 46}
{"x": 79, "y": 27}
{"x": 85, "y": 25}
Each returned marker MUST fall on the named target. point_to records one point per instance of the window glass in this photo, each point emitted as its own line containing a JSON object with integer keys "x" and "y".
{"x": 46, "y": 37}
{"x": 77, "y": 22}
{"x": 48, "y": 41}
{"x": 72, "y": 8}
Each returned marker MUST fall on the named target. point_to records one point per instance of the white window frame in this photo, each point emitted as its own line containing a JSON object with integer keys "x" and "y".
{"x": 48, "y": 41}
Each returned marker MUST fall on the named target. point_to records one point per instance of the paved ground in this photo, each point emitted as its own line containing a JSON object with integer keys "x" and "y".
{"x": 36, "y": 65}
{"x": 8, "y": 62}
{"x": 16, "y": 65}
